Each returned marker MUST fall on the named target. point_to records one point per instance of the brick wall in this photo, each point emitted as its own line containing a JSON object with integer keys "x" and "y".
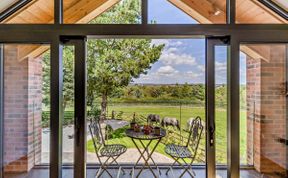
{"x": 22, "y": 111}
{"x": 266, "y": 104}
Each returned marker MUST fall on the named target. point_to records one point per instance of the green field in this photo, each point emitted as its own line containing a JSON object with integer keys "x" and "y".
{"x": 187, "y": 112}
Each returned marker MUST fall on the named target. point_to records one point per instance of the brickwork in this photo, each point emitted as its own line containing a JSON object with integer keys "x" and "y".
{"x": 22, "y": 111}
{"x": 266, "y": 111}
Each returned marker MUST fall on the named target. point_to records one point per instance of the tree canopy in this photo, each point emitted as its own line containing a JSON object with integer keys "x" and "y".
{"x": 111, "y": 63}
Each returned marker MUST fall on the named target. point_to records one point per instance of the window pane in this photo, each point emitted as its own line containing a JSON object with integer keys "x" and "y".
{"x": 168, "y": 81}
{"x": 282, "y": 3}
{"x": 186, "y": 12}
{"x": 6, "y": 4}
{"x": 102, "y": 12}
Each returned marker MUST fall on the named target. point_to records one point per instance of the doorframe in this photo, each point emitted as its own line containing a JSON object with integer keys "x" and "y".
{"x": 211, "y": 43}
{"x": 1, "y": 109}
{"x": 80, "y": 92}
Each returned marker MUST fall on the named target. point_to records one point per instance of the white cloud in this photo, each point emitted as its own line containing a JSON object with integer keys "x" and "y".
{"x": 171, "y": 58}
{"x": 192, "y": 74}
{"x": 221, "y": 66}
{"x": 167, "y": 43}
{"x": 161, "y": 41}
{"x": 176, "y": 43}
{"x": 201, "y": 68}
{"x": 166, "y": 70}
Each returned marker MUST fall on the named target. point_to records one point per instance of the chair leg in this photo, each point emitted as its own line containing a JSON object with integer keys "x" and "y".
{"x": 172, "y": 164}
{"x": 103, "y": 169}
{"x": 114, "y": 160}
{"x": 186, "y": 169}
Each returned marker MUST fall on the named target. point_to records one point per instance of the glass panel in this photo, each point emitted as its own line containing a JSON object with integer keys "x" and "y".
{"x": 68, "y": 107}
{"x": 264, "y": 109}
{"x": 102, "y": 12}
{"x": 38, "y": 12}
{"x": 186, "y": 12}
{"x": 221, "y": 109}
{"x": 26, "y": 111}
{"x": 163, "y": 77}
{"x": 6, "y": 4}
{"x": 282, "y": 3}
{"x": 254, "y": 12}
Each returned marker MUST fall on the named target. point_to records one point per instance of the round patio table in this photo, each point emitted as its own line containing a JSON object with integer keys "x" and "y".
{"x": 141, "y": 137}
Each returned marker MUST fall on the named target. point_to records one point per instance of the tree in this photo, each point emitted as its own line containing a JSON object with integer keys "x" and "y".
{"x": 68, "y": 76}
{"x": 112, "y": 63}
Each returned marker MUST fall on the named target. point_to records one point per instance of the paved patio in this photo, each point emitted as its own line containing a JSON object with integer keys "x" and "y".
{"x": 68, "y": 141}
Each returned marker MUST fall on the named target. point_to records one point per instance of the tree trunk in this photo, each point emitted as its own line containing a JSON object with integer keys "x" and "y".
{"x": 103, "y": 106}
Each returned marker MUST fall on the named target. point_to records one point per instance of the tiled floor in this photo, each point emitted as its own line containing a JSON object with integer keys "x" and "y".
{"x": 200, "y": 173}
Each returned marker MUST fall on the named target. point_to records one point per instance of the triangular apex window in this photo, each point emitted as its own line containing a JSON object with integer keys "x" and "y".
{"x": 121, "y": 12}
{"x": 8, "y": 7}
{"x": 6, "y": 4}
{"x": 186, "y": 11}
{"x": 281, "y": 3}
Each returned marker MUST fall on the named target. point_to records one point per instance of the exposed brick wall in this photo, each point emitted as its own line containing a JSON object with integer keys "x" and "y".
{"x": 22, "y": 119}
{"x": 265, "y": 87}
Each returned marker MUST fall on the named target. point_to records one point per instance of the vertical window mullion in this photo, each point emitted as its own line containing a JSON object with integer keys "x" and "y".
{"x": 58, "y": 11}
{"x": 231, "y": 11}
{"x": 56, "y": 86}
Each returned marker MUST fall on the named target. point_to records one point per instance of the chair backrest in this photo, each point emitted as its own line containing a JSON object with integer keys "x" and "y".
{"x": 96, "y": 134}
{"x": 195, "y": 134}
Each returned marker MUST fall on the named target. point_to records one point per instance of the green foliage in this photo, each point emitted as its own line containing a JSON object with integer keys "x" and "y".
{"x": 118, "y": 133}
{"x": 68, "y": 118}
{"x": 111, "y": 63}
{"x": 68, "y": 77}
{"x": 94, "y": 112}
{"x": 125, "y": 12}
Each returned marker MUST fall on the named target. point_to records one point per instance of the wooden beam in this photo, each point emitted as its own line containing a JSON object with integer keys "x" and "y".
{"x": 207, "y": 13}
{"x": 81, "y": 12}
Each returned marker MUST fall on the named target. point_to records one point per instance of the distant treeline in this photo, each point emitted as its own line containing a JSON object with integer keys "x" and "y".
{"x": 177, "y": 93}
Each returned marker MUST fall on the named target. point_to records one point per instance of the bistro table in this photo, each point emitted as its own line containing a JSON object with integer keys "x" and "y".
{"x": 141, "y": 137}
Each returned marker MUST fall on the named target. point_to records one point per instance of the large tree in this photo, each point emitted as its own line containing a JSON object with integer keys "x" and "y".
{"x": 112, "y": 63}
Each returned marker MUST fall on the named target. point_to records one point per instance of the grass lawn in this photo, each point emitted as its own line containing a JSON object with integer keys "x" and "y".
{"x": 186, "y": 113}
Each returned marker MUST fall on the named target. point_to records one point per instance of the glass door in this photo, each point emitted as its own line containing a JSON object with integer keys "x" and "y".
{"x": 216, "y": 107}
{"x": 74, "y": 107}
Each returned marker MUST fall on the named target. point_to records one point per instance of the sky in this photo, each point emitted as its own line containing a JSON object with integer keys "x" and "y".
{"x": 183, "y": 60}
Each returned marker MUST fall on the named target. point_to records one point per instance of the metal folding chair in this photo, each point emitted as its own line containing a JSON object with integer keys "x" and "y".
{"x": 111, "y": 151}
{"x": 189, "y": 151}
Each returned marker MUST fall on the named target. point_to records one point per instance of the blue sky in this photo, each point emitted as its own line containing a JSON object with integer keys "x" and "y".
{"x": 183, "y": 60}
